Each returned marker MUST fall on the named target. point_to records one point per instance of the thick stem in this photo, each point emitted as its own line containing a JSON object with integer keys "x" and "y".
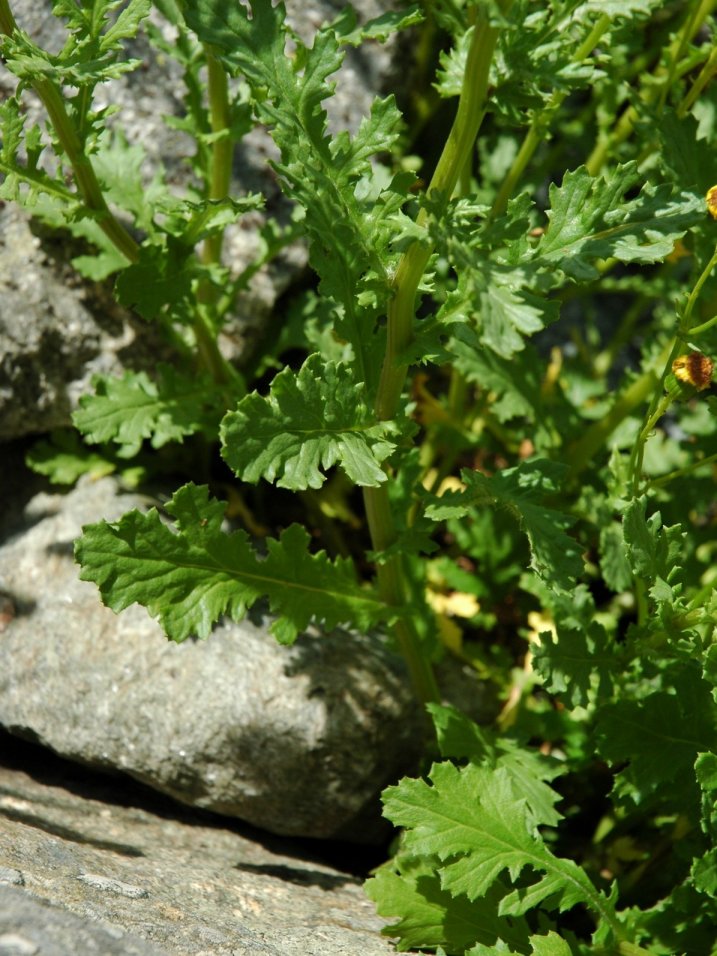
{"x": 390, "y": 577}
{"x": 401, "y": 311}
{"x": 222, "y": 148}
{"x": 218, "y": 185}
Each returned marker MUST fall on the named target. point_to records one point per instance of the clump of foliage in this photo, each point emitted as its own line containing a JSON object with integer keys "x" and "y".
{"x": 508, "y": 357}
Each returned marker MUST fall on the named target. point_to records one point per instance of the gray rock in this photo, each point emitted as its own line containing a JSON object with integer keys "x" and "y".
{"x": 57, "y": 331}
{"x": 11, "y": 877}
{"x": 208, "y": 890}
{"x": 295, "y": 740}
{"x": 31, "y": 927}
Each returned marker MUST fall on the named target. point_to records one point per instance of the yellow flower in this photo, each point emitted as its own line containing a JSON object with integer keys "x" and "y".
{"x": 694, "y": 369}
{"x": 711, "y": 199}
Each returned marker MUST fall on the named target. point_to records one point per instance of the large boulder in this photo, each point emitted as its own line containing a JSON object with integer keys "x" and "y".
{"x": 296, "y": 740}
{"x": 90, "y": 866}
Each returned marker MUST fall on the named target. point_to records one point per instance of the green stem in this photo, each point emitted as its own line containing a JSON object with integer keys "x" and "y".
{"x": 705, "y": 75}
{"x": 540, "y": 124}
{"x": 625, "y": 125}
{"x": 460, "y": 142}
{"x": 389, "y": 576}
{"x": 218, "y": 185}
{"x": 580, "y": 453}
{"x": 7, "y": 20}
{"x": 687, "y": 315}
{"x": 699, "y": 329}
{"x": 85, "y": 177}
{"x": 679, "y": 472}
{"x": 401, "y": 311}
{"x": 210, "y": 355}
{"x": 222, "y": 147}
{"x": 658, "y": 406}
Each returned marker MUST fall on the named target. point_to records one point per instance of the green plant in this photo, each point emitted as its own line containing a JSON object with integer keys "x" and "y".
{"x": 540, "y": 500}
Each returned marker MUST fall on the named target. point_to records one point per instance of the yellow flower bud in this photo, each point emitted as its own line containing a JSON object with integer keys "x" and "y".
{"x": 694, "y": 369}
{"x": 711, "y": 200}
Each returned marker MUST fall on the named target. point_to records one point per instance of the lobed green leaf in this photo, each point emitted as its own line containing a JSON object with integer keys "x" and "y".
{"x": 190, "y": 575}
{"x": 431, "y": 916}
{"x": 555, "y": 556}
{"x": 577, "y": 662}
{"x": 133, "y": 408}
{"x": 660, "y": 736}
{"x": 460, "y": 738}
{"x": 591, "y": 219}
{"x": 310, "y": 421}
{"x": 470, "y": 820}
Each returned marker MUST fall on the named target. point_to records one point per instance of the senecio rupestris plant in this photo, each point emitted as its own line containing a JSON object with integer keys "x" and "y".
{"x": 510, "y": 358}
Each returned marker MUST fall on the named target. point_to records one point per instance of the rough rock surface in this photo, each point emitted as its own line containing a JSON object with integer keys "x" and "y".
{"x": 296, "y": 740}
{"x": 56, "y": 331}
{"x": 90, "y": 866}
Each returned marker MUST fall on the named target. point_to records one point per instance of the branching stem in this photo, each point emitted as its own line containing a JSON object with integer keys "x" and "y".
{"x": 607, "y": 145}
{"x": 84, "y": 173}
{"x": 539, "y": 126}
{"x": 660, "y": 403}
{"x": 401, "y": 312}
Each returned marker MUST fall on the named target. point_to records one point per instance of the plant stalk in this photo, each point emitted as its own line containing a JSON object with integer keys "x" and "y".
{"x": 389, "y": 576}
{"x": 625, "y": 125}
{"x": 218, "y": 186}
{"x": 580, "y": 453}
{"x": 462, "y": 137}
{"x": 539, "y": 125}
{"x": 401, "y": 311}
{"x": 84, "y": 173}
{"x": 222, "y": 151}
